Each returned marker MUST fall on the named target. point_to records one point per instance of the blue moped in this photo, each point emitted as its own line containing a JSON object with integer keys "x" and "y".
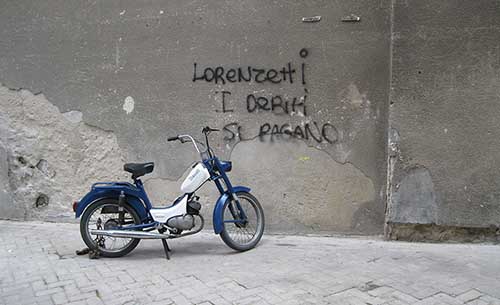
{"x": 115, "y": 216}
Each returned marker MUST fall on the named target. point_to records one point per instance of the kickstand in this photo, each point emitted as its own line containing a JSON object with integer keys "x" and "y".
{"x": 166, "y": 248}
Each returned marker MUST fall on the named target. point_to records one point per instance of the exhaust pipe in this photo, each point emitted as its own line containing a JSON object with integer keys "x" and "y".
{"x": 130, "y": 234}
{"x": 144, "y": 235}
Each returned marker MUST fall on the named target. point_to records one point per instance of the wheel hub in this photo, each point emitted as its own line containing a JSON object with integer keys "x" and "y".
{"x": 111, "y": 224}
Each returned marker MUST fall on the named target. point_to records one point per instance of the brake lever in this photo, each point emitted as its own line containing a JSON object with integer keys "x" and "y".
{"x": 208, "y": 129}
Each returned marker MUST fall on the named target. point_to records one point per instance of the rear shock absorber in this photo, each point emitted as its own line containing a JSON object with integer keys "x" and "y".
{"x": 121, "y": 203}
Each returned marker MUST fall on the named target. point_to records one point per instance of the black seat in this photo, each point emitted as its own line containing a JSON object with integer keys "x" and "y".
{"x": 139, "y": 169}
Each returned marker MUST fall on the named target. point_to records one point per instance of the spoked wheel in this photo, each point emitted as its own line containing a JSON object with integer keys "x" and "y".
{"x": 242, "y": 231}
{"x": 106, "y": 215}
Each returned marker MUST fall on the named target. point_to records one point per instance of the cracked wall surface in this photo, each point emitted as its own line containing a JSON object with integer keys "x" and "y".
{"x": 445, "y": 105}
{"x": 306, "y": 132}
{"x": 299, "y": 187}
{"x": 49, "y": 159}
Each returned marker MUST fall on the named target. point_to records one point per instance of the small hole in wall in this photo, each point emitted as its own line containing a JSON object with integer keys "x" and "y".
{"x": 42, "y": 164}
{"x": 21, "y": 160}
{"x": 42, "y": 201}
{"x": 419, "y": 72}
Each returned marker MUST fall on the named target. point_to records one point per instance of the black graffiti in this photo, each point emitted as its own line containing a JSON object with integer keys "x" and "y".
{"x": 224, "y": 109}
{"x": 327, "y": 132}
{"x": 221, "y": 75}
{"x": 276, "y": 104}
{"x": 320, "y": 133}
{"x": 303, "y": 68}
{"x": 232, "y": 132}
{"x": 303, "y": 53}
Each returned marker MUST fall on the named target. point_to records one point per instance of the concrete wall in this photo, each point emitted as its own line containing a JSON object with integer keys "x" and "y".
{"x": 89, "y": 85}
{"x": 444, "y": 114}
{"x": 335, "y": 116}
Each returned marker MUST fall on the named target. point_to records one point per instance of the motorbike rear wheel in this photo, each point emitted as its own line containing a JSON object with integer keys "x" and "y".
{"x": 102, "y": 215}
{"x": 239, "y": 234}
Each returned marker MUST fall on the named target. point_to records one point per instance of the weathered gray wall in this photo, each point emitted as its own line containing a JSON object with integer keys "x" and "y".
{"x": 123, "y": 71}
{"x": 90, "y": 85}
{"x": 444, "y": 113}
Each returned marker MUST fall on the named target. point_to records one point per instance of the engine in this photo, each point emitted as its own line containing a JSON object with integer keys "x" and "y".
{"x": 186, "y": 221}
{"x": 182, "y": 222}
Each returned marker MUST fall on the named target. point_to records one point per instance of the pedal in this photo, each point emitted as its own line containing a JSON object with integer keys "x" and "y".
{"x": 83, "y": 251}
{"x": 94, "y": 254}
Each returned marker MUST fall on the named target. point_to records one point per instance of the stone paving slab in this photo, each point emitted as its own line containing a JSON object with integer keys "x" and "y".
{"x": 38, "y": 265}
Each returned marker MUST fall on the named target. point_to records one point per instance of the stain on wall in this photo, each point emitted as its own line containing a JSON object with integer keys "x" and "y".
{"x": 414, "y": 199}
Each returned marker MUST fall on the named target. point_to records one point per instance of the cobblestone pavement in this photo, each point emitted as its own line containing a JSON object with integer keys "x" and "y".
{"x": 38, "y": 265}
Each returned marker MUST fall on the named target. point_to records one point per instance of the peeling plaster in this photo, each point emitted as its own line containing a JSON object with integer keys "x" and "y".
{"x": 50, "y": 154}
{"x": 73, "y": 116}
{"x": 301, "y": 205}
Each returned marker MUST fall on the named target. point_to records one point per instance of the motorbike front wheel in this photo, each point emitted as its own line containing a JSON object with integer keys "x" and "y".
{"x": 106, "y": 215}
{"x": 242, "y": 232}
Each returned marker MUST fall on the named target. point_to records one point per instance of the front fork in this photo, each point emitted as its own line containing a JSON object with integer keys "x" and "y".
{"x": 237, "y": 211}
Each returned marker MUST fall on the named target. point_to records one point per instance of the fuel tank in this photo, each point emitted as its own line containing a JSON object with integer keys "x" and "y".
{"x": 198, "y": 175}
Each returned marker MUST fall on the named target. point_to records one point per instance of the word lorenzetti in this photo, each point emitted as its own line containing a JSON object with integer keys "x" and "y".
{"x": 223, "y": 75}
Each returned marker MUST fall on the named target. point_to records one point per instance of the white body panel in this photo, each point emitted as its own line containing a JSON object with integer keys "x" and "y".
{"x": 163, "y": 214}
{"x": 198, "y": 175}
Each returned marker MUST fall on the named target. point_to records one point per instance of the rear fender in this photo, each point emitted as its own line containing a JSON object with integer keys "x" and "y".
{"x": 101, "y": 193}
{"x": 218, "y": 217}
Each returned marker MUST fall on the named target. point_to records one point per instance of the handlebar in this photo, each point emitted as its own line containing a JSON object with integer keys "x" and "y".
{"x": 208, "y": 129}
{"x": 187, "y": 138}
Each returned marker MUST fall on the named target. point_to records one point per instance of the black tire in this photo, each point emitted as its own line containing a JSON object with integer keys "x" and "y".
{"x": 91, "y": 240}
{"x": 247, "y": 236}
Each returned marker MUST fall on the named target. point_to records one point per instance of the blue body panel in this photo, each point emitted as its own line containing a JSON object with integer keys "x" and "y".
{"x": 219, "y": 206}
{"x": 135, "y": 196}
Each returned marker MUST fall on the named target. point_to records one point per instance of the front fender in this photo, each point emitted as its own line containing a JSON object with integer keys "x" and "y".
{"x": 95, "y": 195}
{"x": 218, "y": 218}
